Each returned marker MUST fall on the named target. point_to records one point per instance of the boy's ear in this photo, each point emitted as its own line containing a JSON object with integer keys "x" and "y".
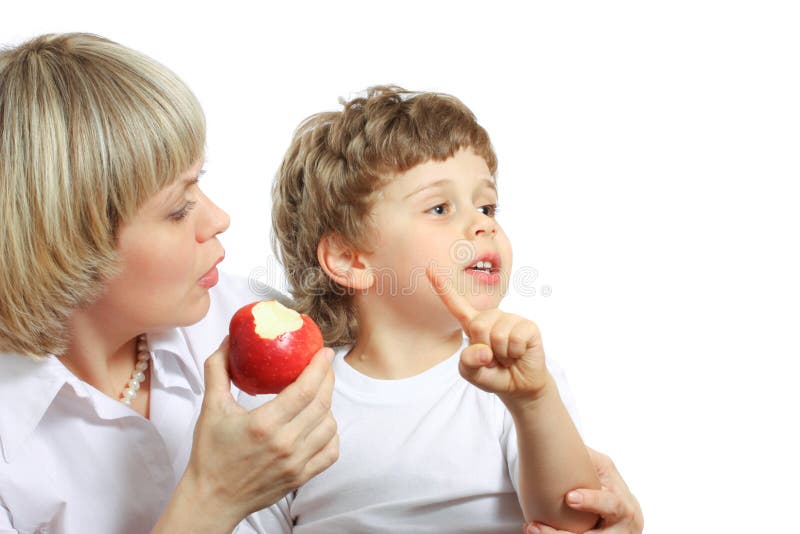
{"x": 343, "y": 263}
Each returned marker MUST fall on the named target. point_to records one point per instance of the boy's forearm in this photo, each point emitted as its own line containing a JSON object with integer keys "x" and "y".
{"x": 552, "y": 461}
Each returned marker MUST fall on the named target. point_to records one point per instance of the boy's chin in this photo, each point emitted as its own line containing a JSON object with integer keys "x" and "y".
{"x": 485, "y": 301}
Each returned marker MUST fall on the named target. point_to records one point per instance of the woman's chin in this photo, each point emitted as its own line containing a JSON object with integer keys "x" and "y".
{"x": 194, "y": 313}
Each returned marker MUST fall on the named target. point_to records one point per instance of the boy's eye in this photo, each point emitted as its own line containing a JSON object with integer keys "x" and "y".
{"x": 440, "y": 209}
{"x": 490, "y": 210}
{"x": 183, "y": 212}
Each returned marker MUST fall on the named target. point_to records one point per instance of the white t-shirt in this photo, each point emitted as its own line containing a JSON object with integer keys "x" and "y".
{"x": 75, "y": 460}
{"x": 430, "y": 453}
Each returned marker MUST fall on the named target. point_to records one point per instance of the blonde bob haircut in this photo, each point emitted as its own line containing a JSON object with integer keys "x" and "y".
{"x": 334, "y": 167}
{"x": 89, "y": 130}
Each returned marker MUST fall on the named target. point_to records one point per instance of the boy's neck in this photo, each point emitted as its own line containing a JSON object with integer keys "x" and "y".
{"x": 394, "y": 350}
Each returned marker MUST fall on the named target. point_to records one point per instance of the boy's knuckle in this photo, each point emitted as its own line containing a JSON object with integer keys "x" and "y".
{"x": 497, "y": 338}
{"x": 479, "y": 328}
{"x": 629, "y": 515}
{"x": 517, "y": 339}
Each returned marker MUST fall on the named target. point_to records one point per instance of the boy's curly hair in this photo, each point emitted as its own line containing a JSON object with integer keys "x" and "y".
{"x": 336, "y": 163}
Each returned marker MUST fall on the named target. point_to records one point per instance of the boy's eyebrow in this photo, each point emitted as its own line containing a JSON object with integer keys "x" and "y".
{"x": 444, "y": 181}
{"x": 491, "y": 184}
{"x": 423, "y": 187}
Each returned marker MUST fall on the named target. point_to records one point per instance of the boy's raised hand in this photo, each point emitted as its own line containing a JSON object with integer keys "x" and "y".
{"x": 505, "y": 355}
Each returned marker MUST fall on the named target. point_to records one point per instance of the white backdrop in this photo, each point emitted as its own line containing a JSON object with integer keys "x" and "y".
{"x": 648, "y": 177}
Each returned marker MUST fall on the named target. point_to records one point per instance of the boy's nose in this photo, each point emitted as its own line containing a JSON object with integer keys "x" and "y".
{"x": 483, "y": 226}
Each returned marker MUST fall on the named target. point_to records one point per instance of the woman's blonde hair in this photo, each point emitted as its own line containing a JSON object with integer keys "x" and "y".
{"x": 89, "y": 130}
{"x": 335, "y": 164}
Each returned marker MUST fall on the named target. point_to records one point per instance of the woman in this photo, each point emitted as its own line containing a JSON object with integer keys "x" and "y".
{"x": 108, "y": 244}
{"x": 111, "y": 421}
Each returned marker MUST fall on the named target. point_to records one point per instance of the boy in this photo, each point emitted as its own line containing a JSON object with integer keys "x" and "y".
{"x": 384, "y": 219}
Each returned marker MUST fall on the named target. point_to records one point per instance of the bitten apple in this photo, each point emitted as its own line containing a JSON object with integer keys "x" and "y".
{"x": 270, "y": 345}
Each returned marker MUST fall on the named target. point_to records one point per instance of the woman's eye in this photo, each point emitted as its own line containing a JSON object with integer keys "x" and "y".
{"x": 183, "y": 212}
{"x": 490, "y": 210}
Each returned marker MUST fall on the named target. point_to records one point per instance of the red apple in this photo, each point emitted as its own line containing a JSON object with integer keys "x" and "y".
{"x": 270, "y": 345}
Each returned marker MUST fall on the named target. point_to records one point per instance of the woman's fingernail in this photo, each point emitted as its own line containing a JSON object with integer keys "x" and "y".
{"x": 533, "y": 529}
{"x": 573, "y": 497}
{"x": 484, "y": 355}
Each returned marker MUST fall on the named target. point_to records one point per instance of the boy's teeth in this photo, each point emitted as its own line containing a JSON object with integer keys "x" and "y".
{"x": 483, "y": 265}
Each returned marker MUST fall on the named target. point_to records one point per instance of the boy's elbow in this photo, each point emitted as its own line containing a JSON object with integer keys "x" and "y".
{"x": 574, "y": 521}
{"x": 566, "y": 519}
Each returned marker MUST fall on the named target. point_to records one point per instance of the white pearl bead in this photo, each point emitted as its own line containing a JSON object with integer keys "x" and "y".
{"x": 137, "y": 377}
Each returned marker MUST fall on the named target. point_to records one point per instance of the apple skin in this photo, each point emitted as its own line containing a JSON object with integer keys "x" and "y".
{"x": 262, "y": 365}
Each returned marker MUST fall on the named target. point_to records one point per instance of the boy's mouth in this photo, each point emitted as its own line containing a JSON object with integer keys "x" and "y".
{"x": 486, "y": 263}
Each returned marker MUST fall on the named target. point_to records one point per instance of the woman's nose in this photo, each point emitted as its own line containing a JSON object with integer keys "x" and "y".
{"x": 215, "y": 221}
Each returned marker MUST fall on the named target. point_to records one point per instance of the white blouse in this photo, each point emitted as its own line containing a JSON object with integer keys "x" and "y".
{"x": 76, "y": 460}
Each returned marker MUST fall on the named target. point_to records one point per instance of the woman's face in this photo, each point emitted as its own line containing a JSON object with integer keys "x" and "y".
{"x": 168, "y": 254}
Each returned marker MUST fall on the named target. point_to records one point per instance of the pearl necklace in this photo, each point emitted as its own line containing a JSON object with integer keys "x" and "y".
{"x": 138, "y": 376}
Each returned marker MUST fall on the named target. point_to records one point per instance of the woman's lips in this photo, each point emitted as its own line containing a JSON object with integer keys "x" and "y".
{"x": 211, "y": 278}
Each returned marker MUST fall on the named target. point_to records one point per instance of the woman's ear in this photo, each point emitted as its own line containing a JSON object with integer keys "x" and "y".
{"x": 343, "y": 264}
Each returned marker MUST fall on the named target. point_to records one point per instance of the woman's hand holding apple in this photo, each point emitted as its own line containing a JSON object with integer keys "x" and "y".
{"x": 243, "y": 461}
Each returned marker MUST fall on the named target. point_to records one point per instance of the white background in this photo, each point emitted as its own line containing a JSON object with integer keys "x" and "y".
{"x": 649, "y": 161}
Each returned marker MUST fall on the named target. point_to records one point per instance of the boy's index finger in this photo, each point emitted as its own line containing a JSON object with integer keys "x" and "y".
{"x": 455, "y": 303}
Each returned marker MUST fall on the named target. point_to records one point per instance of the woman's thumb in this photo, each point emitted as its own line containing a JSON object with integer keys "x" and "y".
{"x": 217, "y": 378}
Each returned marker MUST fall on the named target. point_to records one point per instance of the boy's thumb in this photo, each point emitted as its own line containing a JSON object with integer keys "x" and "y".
{"x": 474, "y": 360}
{"x": 476, "y": 356}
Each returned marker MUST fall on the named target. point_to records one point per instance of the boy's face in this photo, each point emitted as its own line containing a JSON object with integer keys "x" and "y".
{"x": 440, "y": 214}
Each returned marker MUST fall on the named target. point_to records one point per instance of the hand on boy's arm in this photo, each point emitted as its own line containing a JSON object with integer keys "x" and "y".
{"x": 506, "y": 357}
{"x": 617, "y": 507}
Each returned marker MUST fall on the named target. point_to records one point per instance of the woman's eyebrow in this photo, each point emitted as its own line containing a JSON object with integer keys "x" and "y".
{"x": 178, "y": 188}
